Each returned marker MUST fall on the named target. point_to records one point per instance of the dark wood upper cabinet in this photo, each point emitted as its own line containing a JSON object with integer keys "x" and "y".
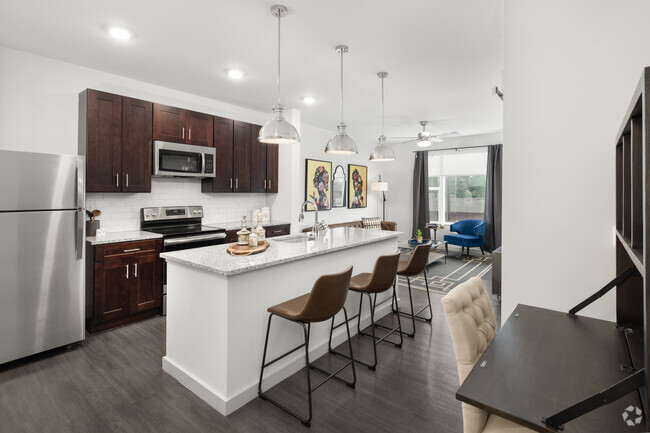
{"x": 242, "y": 156}
{"x": 181, "y": 126}
{"x": 168, "y": 123}
{"x": 136, "y": 145}
{"x": 223, "y": 144}
{"x": 199, "y": 128}
{"x": 272, "y": 162}
{"x": 100, "y": 139}
{"x": 258, "y": 162}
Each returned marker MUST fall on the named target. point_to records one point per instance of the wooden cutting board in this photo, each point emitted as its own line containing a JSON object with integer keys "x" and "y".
{"x": 246, "y": 250}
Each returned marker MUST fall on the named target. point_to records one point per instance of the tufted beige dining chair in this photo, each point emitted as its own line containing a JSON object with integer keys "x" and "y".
{"x": 472, "y": 326}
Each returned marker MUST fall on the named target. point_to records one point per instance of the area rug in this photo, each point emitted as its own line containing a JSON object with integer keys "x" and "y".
{"x": 445, "y": 276}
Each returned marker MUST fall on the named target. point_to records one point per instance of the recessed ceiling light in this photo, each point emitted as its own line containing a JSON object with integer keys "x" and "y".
{"x": 235, "y": 74}
{"x": 120, "y": 33}
{"x": 309, "y": 100}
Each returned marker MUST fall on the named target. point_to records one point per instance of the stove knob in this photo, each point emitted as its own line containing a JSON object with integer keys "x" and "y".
{"x": 153, "y": 214}
{"x": 194, "y": 212}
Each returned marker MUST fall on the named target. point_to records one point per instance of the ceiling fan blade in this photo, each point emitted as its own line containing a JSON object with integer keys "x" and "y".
{"x": 436, "y": 139}
{"x": 449, "y": 134}
{"x": 409, "y": 141}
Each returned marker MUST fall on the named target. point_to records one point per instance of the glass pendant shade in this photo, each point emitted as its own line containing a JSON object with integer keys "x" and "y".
{"x": 341, "y": 143}
{"x": 278, "y": 130}
{"x": 424, "y": 143}
{"x": 382, "y": 152}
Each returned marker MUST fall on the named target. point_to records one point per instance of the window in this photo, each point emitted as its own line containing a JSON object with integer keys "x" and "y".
{"x": 457, "y": 185}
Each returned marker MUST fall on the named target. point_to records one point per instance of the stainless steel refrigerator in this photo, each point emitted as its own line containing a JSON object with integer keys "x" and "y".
{"x": 42, "y": 222}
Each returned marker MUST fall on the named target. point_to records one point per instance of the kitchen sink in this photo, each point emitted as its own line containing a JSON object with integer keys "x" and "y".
{"x": 304, "y": 237}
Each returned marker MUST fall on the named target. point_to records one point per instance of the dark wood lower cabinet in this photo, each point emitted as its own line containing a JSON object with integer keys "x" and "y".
{"x": 271, "y": 231}
{"x": 123, "y": 283}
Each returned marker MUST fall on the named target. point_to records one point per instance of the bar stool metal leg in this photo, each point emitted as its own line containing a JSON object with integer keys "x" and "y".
{"x": 306, "y": 332}
{"x": 373, "y": 325}
{"x": 415, "y": 315}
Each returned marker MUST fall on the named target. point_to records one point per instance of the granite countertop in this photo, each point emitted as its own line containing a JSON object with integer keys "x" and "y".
{"x": 111, "y": 238}
{"x": 236, "y": 225}
{"x": 216, "y": 259}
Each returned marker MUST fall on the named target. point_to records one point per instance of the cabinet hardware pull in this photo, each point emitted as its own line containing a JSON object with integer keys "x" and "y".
{"x": 269, "y": 183}
{"x": 135, "y": 272}
{"x": 117, "y": 180}
{"x": 231, "y": 183}
{"x": 189, "y": 134}
{"x": 183, "y": 137}
{"x": 264, "y": 183}
{"x": 132, "y": 250}
{"x": 127, "y": 272}
{"x": 127, "y": 180}
{"x": 236, "y": 183}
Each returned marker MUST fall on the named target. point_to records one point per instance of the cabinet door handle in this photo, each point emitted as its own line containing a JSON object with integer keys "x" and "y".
{"x": 127, "y": 272}
{"x": 117, "y": 180}
{"x": 264, "y": 183}
{"x": 231, "y": 183}
{"x": 236, "y": 183}
{"x": 132, "y": 250}
{"x": 269, "y": 183}
{"x": 135, "y": 270}
{"x": 189, "y": 134}
{"x": 127, "y": 180}
{"x": 183, "y": 132}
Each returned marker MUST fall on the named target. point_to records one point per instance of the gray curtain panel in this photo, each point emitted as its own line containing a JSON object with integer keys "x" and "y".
{"x": 420, "y": 191}
{"x": 493, "y": 198}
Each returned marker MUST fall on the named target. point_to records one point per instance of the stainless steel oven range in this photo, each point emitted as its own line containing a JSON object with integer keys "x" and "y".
{"x": 182, "y": 229}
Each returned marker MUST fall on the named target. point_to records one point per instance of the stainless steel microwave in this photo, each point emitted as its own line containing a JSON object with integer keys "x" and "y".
{"x": 183, "y": 160}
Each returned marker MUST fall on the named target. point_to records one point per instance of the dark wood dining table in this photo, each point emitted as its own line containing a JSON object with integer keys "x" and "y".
{"x": 543, "y": 361}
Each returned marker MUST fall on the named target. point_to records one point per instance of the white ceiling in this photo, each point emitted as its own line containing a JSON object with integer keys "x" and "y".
{"x": 443, "y": 56}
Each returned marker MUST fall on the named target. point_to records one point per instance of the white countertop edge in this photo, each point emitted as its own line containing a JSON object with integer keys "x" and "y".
{"x": 171, "y": 258}
{"x": 128, "y": 236}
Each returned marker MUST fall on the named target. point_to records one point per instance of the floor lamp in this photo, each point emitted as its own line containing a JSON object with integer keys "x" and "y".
{"x": 383, "y": 187}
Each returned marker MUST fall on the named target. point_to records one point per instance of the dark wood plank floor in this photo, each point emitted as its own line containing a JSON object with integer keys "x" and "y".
{"x": 114, "y": 383}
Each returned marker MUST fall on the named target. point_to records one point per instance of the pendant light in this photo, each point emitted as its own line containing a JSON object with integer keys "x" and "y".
{"x": 278, "y": 130}
{"x": 341, "y": 143}
{"x": 382, "y": 152}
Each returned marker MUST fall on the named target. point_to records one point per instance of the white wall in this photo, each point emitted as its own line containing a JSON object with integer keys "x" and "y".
{"x": 39, "y": 107}
{"x": 570, "y": 70}
{"x": 312, "y": 146}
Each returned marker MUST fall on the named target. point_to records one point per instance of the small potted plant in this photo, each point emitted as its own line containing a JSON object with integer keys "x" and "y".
{"x": 418, "y": 236}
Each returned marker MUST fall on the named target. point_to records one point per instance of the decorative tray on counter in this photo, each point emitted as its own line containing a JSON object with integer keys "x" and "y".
{"x": 247, "y": 250}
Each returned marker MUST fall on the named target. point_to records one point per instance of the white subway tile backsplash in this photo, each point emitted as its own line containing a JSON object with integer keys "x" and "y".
{"x": 121, "y": 211}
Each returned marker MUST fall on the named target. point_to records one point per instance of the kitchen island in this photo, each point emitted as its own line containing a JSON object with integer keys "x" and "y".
{"x": 216, "y": 316}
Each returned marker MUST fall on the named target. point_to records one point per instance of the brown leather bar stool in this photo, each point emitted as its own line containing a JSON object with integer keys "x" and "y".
{"x": 380, "y": 280}
{"x": 327, "y": 297}
{"x": 416, "y": 265}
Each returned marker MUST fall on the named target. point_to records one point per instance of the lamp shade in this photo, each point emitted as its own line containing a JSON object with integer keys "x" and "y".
{"x": 278, "y": 130}
{"x": 379, "y": 186}
{"x": 382, "y": 152}
{"x": 341, "y": 143}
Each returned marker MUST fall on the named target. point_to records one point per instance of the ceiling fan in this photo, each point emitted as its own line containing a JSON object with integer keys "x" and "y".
{"x": 425, "y": 138}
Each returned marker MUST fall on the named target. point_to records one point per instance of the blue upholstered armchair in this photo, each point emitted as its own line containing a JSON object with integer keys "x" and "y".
{"x": 471, "y": 233}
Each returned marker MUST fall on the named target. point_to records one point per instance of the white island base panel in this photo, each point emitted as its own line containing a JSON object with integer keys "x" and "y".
{"x": 216, "y": 324}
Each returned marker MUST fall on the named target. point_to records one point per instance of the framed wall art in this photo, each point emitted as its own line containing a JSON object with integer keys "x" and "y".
{"x": 357, "y": 186}
{"x": 318, "y": 183}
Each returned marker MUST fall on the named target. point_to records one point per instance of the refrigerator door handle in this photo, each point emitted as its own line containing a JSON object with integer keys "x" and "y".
{"x": 79, "y": 234}
{"x": 79, "y": 201}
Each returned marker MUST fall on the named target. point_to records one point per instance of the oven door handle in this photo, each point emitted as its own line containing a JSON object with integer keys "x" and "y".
{"x": 190, "y": 239}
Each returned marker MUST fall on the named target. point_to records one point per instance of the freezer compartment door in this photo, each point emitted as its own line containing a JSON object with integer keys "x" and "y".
{"x": 41, "y": 283}
{"x": 40, "y": 181}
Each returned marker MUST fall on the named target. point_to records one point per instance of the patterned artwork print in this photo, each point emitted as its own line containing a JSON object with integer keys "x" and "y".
{"x": 318, "y": 183}
{"x": 357, "y": 186}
